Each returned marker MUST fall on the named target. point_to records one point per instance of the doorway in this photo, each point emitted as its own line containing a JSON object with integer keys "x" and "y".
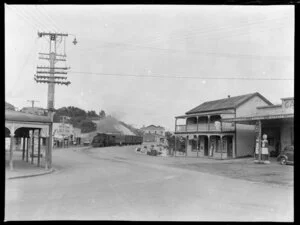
{"x": 273, "y": 137}
{"x": 229, "y": 146}
{"x": 203, "y": 144}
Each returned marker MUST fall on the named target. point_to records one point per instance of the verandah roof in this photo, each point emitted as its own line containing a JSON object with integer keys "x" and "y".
{"x": 253, "y": 119}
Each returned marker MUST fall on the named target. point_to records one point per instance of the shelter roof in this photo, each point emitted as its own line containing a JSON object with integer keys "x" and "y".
{"x": 25, "y": 117}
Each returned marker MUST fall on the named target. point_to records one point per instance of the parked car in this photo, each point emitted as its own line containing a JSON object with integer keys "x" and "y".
{"x": 286, "y": 156}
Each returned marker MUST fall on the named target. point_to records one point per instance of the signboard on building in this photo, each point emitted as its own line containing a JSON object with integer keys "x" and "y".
{"x": 288, "y": 105}
{"x": 62, "y": 129}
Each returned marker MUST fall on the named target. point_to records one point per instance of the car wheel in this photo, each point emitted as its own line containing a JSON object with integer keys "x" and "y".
{"x": 283, "y": 161}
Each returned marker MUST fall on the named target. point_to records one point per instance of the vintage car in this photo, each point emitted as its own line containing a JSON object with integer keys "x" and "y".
{"x": 286, "y": 156}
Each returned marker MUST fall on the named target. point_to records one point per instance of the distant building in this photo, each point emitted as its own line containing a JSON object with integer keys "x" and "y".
{"x": 153, "y": 135}
{"x": 66, "y": 133}
{"x": 152, "y": 129}
{"x": 34, "y": 110}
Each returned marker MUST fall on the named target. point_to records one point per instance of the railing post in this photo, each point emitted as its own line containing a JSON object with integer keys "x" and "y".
{"x": 259, "y": 140}
{"x": 32, "y": 150}
{"x": 11, "y": 165}
{"x": 28, "y": 145}
{"x": 23, "y": 151}
{"x": 186, "y": 146}
{"x": 208, "y": 122}
{"x": 208, "y": 145}
{"x": 197, "y": 142}
{"x": 39, "y": 146}
{"x": 221, "y": 142}
{"x": 186, "y": 122}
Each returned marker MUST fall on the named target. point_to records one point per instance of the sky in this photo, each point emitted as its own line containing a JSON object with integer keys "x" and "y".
{"x": 146, "y": 64}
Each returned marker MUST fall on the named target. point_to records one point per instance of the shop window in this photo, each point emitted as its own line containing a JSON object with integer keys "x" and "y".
{"x": 193, "y": 143}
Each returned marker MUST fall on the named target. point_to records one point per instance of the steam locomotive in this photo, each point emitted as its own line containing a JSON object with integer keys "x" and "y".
{"x": 104, "y": 139}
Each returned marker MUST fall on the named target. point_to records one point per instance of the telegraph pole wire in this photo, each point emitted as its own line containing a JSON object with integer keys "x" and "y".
{"x": 181, "y": 77}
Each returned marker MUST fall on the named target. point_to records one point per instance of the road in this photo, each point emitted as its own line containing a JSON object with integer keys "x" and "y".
{"x": 116, "y": 183}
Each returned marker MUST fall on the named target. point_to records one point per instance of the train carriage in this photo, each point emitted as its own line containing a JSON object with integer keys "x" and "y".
{"x": 105, "y": 139}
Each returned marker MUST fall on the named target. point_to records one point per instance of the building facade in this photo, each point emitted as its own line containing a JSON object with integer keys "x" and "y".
{"x": 276, "y": 121}
{"x": 65, "y": 134}
{"x": 207, "y": 135}
{"x": 152, "y": 129}
{"x": 154, "y": 136}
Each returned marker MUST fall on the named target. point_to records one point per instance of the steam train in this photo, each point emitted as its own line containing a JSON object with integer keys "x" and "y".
{"x": 104, "y": 139}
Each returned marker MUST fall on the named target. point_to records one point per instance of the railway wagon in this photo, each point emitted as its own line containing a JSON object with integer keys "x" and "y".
{"x": 103, "y": 139}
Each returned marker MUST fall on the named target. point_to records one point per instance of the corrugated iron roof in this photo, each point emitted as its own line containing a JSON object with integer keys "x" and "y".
{"x": 25, "y": 117}
{"x": 226, "y": 103}
{"x": 152, "y": 127}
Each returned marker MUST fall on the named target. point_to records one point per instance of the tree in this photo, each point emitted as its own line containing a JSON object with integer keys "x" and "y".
{"x": 87, "y": 126}
{"x": 171, "y": 139}
{"x": 102, "y": 114}
{"x": 92, "y": 114}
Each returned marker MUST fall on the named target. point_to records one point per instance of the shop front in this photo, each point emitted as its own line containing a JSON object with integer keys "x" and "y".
{"x": 274, "y": 125}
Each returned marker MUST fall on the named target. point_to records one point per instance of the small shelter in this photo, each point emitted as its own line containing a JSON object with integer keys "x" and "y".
{"x": 28, "y": 128}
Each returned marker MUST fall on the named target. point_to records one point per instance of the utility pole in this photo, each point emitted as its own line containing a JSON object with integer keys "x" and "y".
{"x": 32, "y": 102}
{"x": 51, "y": 79}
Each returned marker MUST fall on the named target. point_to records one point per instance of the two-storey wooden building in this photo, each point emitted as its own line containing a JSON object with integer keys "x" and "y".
{"x": 207, "y": 135}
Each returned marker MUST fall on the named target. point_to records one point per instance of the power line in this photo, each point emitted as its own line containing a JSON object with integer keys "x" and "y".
{"x": 215, "y": 54}
{"x": 120, "y": 45}
{"x": 32, "y": 18}
{"x": 28, "y": 21}
{"x": 204, "y": 32}
{"x": 46, "y": 13}
{"x": 46, "y": 21}
{"x": 215, "y": 27}
{"x": 179, "y": 77}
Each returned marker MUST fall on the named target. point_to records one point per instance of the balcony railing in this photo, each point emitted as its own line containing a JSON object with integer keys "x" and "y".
{"x": 180, "y": 128}
{"x": 204, "y": 127}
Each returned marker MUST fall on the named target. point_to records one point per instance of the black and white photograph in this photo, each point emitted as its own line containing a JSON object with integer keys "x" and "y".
{"x": 146, "y": 112}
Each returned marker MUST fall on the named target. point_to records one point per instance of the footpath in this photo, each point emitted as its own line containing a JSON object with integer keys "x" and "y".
{"x": 23, "y": 169}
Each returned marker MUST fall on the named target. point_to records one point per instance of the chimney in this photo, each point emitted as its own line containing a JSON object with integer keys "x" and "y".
{"x": 228, "y": 96}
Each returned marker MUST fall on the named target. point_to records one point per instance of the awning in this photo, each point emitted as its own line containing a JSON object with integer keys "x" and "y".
{"x": 253, "y": 119}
